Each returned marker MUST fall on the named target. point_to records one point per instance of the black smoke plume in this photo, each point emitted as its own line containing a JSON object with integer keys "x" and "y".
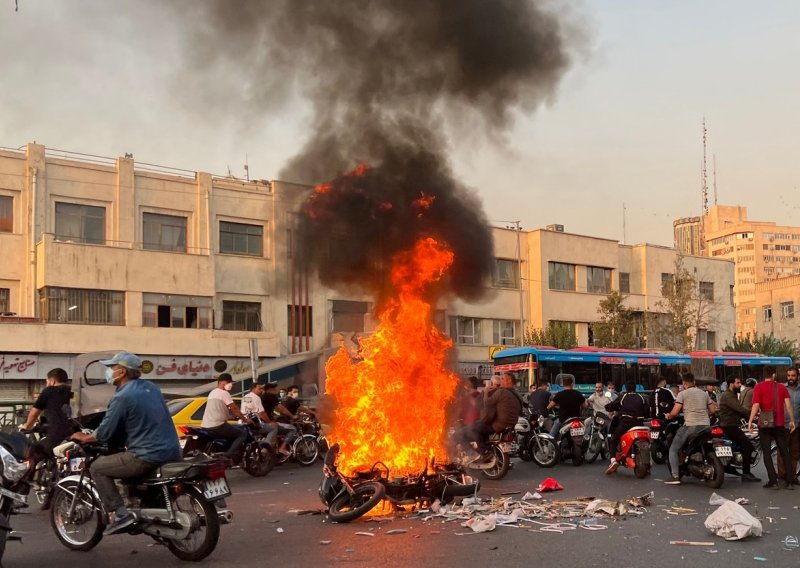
{"x": 385, "y": 79}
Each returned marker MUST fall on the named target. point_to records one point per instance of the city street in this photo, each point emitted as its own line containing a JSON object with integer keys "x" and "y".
{"x": 261, "y": 507}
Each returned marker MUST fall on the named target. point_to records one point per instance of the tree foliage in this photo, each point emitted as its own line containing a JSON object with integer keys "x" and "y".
{"x": 616, "y": 326}
{"x": 765, "y": 345}
{"x": 559, "y": 334}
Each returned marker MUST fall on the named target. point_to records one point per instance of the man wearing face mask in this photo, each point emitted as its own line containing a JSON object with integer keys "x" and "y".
{"x": 731, "y": 413}
{"x": 219, "y": 407}
{"x": 292, "y": 403}
{"x": 137, "y": 419}
{"x": 794, "y": 436}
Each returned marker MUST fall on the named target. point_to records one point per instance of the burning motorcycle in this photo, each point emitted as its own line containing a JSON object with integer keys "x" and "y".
{"x": 572, "y": 441}
{"x": 348, "y": 498}
{"x": 175, "y": 504}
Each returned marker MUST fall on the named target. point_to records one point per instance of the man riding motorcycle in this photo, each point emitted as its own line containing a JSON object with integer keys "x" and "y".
{"x": 633, "y": 409}
{"x": 137, "y": 418}
{"x": 731, "y": 413}
{"x": 502, "y": 406}
{"x": 663, "y": 400}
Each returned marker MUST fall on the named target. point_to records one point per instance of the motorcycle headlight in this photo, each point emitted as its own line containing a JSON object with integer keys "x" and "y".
{"x": 12, "y": 469}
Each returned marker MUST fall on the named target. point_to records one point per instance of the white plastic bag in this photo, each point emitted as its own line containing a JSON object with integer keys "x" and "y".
{"x": 731, "y": 521}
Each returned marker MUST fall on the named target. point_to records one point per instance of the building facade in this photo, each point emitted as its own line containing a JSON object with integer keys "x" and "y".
{"x": 688, "y": 232}
{"x": 777, "y": 308}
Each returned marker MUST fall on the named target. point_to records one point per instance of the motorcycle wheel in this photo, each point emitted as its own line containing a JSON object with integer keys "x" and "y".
{"x": 502, "y": 463}
{"x": 659, "y": 454}
{"x": 577, "y": 455}
{"x": 306, "y": 450}
{"x": 203, "y": 538}
{"x": 719, "y": 471}
{"x": 543, "y": 452}
{"x": 348, "y": 507}
{"x": 258, "y": 460}
{"x": 44, "y": 477}
{"x": 594, "y": 450}
{"x": 641, "y": 468}
{"x": 85, "y": 528}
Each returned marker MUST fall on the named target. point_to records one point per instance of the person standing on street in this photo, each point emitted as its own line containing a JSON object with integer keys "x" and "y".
{"x": 219, "y": 407}
{"x": 794, "y": 436}
{"x": 774, "y": 403}
{"x": 731, "y": 413}
{"x": 697, "y": 408}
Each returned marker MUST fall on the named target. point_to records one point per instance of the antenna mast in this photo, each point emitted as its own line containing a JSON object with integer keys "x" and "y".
{"x": 624, "y": 237}
{"x": 705, "y": 170}
{"x": 714, "y": 161}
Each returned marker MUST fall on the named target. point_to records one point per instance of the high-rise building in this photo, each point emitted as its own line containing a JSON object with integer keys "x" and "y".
{"x": 688, "y": 235}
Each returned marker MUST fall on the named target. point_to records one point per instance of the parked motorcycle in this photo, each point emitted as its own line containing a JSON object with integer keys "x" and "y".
{"x": 661, "y": 434}
{"x": 522, "y": 435}
{"x": 572, "y": 442}
{"x": 348, "y": 498}
{"x": 634, "y": 451}
{"x": 598, "y": 437}
{"x": 258, "y": 457}
{"x": 14, "y": 481}
{"x": 175, "y": 504}
{"x": 541, "y": 445}
{"x": 704, "y": 456}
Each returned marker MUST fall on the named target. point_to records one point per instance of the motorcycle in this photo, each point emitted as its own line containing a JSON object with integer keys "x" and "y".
{"x": 258, "y": 457}
{"x": 661, "y": 434}
{"x": 704, "y": 456}
{"x": 572, "y": 440}
{"x": 737, "y": 458}
{"x": 522, "y": 434}
{"x": 175, "y": 504}
{"x": 14, "y": 481}
{"x": 348, "y": 498}
{"x": 634, "y": 451}
{"x": 305, "y": 449}
{"x": 541, "y": 445}
{"x": 598, "y": 436}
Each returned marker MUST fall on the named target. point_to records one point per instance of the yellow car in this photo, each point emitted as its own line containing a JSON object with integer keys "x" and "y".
{"x": 189, "y": 412}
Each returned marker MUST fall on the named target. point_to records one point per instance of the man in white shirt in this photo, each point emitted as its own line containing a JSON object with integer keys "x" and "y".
{"x": 215, "y": 418}
{"x": 252, "y": 406}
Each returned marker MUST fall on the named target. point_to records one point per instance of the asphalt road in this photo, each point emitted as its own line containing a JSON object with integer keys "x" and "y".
{"x": 261, "y": 507}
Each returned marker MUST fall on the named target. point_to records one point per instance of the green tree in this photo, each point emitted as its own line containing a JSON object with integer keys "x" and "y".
{"x": 765, "y": 345}
{"x": 559, "y": 334}
{"x": 616, "y": 326}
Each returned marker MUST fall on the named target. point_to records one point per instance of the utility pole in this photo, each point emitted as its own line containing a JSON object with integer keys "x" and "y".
{"x": 703, "y": 193}
{"x": 714, "y": 161}
{"x": 518, "y": 229}
{"x": 624, "y": 230}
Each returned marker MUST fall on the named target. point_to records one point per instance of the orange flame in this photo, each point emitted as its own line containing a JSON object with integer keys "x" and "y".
{"x": 391, "y": 404}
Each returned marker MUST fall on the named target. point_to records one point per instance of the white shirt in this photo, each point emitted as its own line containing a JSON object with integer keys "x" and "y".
{"x": 217, "y": 413}
{"x": 251, "y": 404}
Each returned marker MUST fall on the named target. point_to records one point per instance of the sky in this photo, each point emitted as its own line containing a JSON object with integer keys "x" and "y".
{"x": 624, "y": 127}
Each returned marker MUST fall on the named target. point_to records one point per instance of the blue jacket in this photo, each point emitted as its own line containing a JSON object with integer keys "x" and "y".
{"x": 137, "y": 417}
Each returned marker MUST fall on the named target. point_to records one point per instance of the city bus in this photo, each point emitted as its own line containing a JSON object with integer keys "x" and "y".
{"x": 590, "y": 365}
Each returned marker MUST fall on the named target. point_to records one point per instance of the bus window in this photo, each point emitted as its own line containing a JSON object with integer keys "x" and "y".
{"x": 613, "y": 374}
{"x": 730, "y": 371}
{"x": 648, "y": 376}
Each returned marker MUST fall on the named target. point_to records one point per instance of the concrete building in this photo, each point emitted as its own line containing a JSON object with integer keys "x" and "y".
{"x": 762, "y": 251}
{"x": 688, "y": 233}
{"x": 776, "y": 308}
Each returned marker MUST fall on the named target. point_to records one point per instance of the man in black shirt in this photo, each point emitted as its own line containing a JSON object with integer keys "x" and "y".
{"x": 633, "y": 409}
{"x": 569, "y": 401}
{"x": 54, "y": 403}
{"x": 663, "y": 400}
{"x": 272, "y": 405}
{"x": 540, "y": 398}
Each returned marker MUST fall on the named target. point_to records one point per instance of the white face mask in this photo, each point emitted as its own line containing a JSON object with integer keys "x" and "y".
{"x": 228, "y": 386}
{"x": 294, "y": 394}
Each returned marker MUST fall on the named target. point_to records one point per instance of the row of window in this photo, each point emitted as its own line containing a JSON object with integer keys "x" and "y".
{"x": 474, "y": 331}
{"x": 786, "y": 311}
{"x": 561, "y": 276}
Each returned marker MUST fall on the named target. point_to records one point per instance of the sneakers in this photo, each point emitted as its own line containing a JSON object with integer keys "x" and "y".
{"x": 750, "y": 477}
{"x": 673, "y": 481}
{"x": 788, "y": 486}
{"x": 613, "y": 467}
{"x": 771, "y": 485}
{"x": 120, "y": 524}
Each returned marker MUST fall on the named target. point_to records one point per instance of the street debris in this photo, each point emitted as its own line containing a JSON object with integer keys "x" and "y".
{"x": 362, "y": 533}
{"x": 531, "y": 496}
{"x": 549, "y": 484}
{"x": 691, "y": 543}
{"x": 325, "y": 542}
{"x": 396, "y": 531}
{"x": 279, "y": 530}
{"x": 791, "y": 543}
{"x": 731, "y": 521}
{"x": 742, "y": 501}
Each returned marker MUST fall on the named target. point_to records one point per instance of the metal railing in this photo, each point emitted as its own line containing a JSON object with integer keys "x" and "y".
{"x": 13, "y": 413}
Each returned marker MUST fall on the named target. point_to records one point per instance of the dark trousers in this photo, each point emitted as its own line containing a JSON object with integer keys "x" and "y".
{"x": 106, "y": 469}
{"x": 479, "y": 433}
{"x": 234, "y": 435}
{"x": 735, "y": 434}
{"x": 779, "y": 435}
{"x": 794, "y": 453}
{"x": 625, "y": 424}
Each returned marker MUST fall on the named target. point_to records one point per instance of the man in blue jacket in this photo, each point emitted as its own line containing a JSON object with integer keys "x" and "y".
{"x": 137, "y": 419}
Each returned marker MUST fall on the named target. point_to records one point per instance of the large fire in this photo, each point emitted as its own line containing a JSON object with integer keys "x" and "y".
{"x": 391, "y": 403}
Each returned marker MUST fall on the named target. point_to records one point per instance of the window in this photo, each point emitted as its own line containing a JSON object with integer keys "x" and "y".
{"x": 707, "y": 291}
{"x": 5, "y": 300}
{"x": 598, "y": 280}
{"x": 239, "y": 238}
{"x": 166, "y": 310}
{"x": 6, "y": 214}
{"x": 503, "y": 332}
{"x": 505, "y": 274}
{"x": 787, "y": 310}
{"x": 666, "y": 283}
{"x": 299, "y": 318}
{"x": 711, "y": 340}
{"x": 767, "y": 313}
{"x": 241, "y": 316}
{"x": 465, "y": 331}
{"x": 74, "y": 305}
{"x": 164, "y": 232}
{"x": 624, "y": 283}
{"x": 349, "y": 316}
{"x": 81, "y": 223}
{"x": 561, "y": 276}
{"x": 732, "y": 294}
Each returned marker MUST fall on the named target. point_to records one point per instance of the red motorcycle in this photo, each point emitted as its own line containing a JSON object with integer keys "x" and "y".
{"x": 634, "y": 451}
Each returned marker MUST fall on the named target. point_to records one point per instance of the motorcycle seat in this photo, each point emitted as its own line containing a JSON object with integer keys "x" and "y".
{"x": 174, "y": 469}
{"x": 696, "y": 435}
{"x": 15, "y": 443}
{"x": 638, "y": 428}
